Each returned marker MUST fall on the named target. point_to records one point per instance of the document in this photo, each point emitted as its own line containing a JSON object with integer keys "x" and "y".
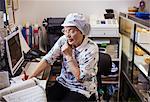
{"x": 27, "y": 91}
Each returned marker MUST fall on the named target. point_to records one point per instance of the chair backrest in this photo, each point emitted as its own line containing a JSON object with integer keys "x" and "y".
{"x": 105, "y": 64}
{"x": 104, "y": 68}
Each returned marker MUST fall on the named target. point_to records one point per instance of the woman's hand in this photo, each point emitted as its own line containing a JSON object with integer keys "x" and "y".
{"x": 67, "y": 50}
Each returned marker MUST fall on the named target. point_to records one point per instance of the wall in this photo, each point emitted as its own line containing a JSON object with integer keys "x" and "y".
{"x": 35, "y": 11}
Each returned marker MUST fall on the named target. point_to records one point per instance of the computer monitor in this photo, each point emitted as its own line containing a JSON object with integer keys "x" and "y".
{"x": 14, "y": 52}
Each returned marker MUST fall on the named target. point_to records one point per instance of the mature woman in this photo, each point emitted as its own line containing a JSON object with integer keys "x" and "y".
{"x": 77, "y": 81}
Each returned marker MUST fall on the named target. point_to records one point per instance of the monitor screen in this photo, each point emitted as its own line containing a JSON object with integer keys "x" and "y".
{"x": 14, "y": 52}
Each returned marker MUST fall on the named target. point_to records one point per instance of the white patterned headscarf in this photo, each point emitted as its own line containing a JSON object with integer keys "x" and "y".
{"x": 78, "y": 20}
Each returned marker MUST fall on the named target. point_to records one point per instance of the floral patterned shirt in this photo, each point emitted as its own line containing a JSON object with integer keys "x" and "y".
{"x": 86, "y": 55}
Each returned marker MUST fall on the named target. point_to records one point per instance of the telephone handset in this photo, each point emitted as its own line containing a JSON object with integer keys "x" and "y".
{"x": 34, "y": 53}
{"x": 70, "y": 45}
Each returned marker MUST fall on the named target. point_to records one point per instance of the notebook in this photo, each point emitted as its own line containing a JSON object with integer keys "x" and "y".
{"x": 27, "y": 91}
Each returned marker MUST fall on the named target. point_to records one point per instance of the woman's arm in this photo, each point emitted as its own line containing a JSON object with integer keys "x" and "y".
{"x": 42, "y": 65}
{"x": 73, "y": 67}
{"x": 72, "y": 63}
{"x": 50, "y": 57}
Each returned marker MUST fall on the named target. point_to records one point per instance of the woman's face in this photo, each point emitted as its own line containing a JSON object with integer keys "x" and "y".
{"x": 74, "y": 35}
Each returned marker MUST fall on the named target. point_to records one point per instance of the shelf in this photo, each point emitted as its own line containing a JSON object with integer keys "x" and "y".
{"x": 110, "y": 82}
{"x": 123, "y": 14}
{"x": 115, "y": 59}
{"x": 136, "y": 61}
{"x": 132, "y": 87}
{"x": 145, "y": 47}
{"x": 105, "y": 37}
{"x": 145, "y": 95}
{"x": 126, "y": 33}
{"x": 110, "y": 79}
{"x": 139, "y": 62}
{"x": 140, "y": 93}
{"x": 136, "y": 20}
{"x": 102, "y": 41}
{"x": 139, "y": 20}
{"x": 114, "y": 75}
{"x": 111, "y": 45}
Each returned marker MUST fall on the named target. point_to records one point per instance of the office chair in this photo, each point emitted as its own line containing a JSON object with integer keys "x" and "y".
{"x": 104, "y": 68}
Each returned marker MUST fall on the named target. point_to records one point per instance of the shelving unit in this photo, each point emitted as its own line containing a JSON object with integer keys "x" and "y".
{"x": 115, "y": 42}
{"x": 135, "y": 71}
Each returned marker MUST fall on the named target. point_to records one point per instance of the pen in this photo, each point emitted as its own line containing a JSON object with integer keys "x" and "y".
{"x": 25, "y": 75}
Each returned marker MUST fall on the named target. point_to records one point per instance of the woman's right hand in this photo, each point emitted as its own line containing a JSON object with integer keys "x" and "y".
{"x": 25, "y": 76}
{"x": 67, "y": 50}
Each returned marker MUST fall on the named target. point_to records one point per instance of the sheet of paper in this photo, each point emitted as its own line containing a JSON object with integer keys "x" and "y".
{"x": 17, "y": 79}
{"x": 33, "y": 94}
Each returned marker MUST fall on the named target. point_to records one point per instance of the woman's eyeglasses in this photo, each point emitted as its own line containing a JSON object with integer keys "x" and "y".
{"x": 69, "y": 31}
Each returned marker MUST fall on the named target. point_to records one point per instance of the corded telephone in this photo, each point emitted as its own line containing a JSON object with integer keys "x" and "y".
{"x": 34, "y": 53}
